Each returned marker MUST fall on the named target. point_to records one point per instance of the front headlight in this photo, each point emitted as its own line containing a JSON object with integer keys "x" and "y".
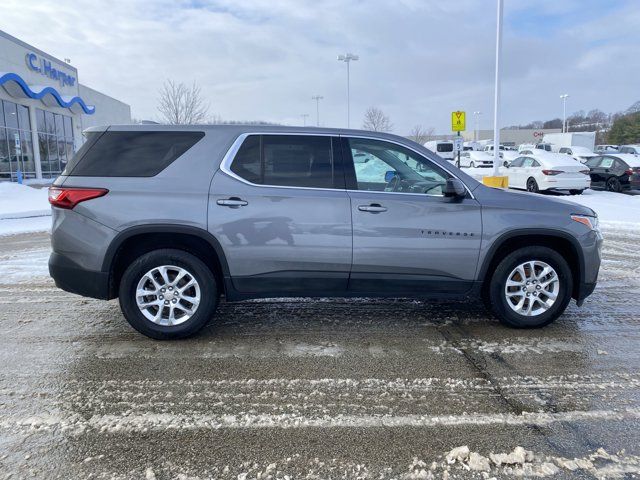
{"x": 591, "y": 222}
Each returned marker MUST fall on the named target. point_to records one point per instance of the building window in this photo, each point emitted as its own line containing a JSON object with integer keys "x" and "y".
{"x": 16, "y": 147}
{"x": 55, "y": 139}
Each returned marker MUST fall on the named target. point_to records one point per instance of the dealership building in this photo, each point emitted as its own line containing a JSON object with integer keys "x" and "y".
{"x": 43, "y": 111}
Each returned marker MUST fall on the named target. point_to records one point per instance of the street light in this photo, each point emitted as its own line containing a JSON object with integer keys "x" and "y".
{"x": 564, "y": 111}
{"x": 496, "y": 93}
{"x": 304, "y": 119}
{"x": 347, "y": 58}
{"x": 476, "y": 132}
{"x": 317, "y": 98}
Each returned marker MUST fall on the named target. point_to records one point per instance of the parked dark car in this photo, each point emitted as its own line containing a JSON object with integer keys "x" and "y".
{"x": 615, "y": 173}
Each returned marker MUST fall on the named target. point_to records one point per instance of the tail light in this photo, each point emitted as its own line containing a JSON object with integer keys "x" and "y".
{"x": 552, "y": 172}
{"x": 629, "y": 171}
{"x": 68, "y": 198}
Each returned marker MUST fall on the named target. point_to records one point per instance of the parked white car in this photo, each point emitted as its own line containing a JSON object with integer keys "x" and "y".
{"x": 606, "y": 148}
{"x": 476, "y": 158}
{"x": 582, "y": 154}
{"x": 632, "y": 149}
{"x": 549, "y": 171}
{"x": 509, "y": 156}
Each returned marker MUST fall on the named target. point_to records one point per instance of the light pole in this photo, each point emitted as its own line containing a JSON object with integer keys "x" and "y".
{"x": 347, "y": 58}
{"x": 477, "y": 127}
{"x": 317, "y": 98}
{"x": 304, "y": 119}
{"x": 496, "y": 95}
{"x": 564, "y": 111}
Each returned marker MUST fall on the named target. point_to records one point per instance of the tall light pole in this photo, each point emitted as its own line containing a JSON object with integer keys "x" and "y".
{"x": 347, "y": 58}
{"x": 317, "y": 98}
{"x": 564, "y": 97}
{"x": 477, "y": 126}
{"x": 496, "y": 93}
{"x": 304, "y": 119}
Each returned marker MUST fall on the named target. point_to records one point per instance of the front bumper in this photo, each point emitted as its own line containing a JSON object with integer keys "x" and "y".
{"x": 71, "y": 277}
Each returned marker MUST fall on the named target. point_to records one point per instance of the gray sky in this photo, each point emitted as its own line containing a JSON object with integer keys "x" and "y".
{"x": 419, "y": 60}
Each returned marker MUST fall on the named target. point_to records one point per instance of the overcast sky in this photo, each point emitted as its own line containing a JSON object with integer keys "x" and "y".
{"x": 419, "y": 59}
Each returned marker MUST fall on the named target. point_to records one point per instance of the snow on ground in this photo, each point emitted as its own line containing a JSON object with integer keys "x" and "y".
{"x": 23, "y": 209}
{"x": 18, "y": 201}
{"x": 615, "y": 210}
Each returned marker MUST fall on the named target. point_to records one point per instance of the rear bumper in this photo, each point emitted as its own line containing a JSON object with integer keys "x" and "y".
{"x": 75, "y": 279}
{"x": 551, "y": 183}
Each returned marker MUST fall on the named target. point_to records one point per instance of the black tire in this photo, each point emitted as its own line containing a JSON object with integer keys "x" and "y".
{"x": 532, "y": 185}
{"x": 498, "y": 301}
{"x": 576, "y": 192}
{"x": 209, "y": 293}
{"x": 614, "y": 185}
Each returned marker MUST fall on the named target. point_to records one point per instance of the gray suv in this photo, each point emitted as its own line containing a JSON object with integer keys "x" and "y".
{"x": 170, "y": 218}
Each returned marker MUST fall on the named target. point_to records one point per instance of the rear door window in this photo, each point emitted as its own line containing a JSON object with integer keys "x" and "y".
{"x": 130, "y": 154}
{"x": 607, "y": 162}
{"x": 286, "y": 160}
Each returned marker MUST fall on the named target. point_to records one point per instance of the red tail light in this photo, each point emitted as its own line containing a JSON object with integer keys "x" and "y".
{"x": 69, "y": 197}
{"x": 629, "y": 171}
{"x": 552, "y": 172}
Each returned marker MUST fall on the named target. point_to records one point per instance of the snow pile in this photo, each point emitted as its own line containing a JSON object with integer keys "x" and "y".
{"x": 613, "y": 209}
{"x": 20, "y": 201}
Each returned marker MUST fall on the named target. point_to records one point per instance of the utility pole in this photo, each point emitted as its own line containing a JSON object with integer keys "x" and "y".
{"x": 347, "y": 58}
{"x": 496, "y": 95}
{"x": 304, "y": 119}
{"x": 476, "y": 132}
{"x": 317, "y": 98}
{"x": 564, "y": 112}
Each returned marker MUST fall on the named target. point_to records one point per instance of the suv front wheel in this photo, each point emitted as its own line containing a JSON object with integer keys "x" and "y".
{"x": 530, "y": 287}
{"x": 168, "y": 294}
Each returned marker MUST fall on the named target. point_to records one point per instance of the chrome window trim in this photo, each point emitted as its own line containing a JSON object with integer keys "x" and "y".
{"x": 225, "y": 165}
{"x": 233, "y": 150}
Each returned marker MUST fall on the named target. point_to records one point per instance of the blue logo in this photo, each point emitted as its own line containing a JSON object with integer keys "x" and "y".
{"x": 43, "y": 66}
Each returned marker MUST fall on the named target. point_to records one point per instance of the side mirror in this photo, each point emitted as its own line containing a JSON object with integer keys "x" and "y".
{"x": 454, "y": 189}
{"x": 389, "y": 174}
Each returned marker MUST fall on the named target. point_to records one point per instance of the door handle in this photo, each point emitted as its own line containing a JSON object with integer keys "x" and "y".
{"x": 373, "y": 208}
{"x": 232, "y": 202}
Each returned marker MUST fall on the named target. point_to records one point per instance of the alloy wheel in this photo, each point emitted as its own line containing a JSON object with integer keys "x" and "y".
{"x": 168, "y": 295}
{"x": 532, "y": 288}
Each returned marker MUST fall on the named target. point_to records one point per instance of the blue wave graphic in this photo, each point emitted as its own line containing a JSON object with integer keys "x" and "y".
{"x": 13, "y": 77}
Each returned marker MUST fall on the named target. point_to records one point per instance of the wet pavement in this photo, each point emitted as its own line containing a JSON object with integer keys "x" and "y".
{"x": 297, "y": 388}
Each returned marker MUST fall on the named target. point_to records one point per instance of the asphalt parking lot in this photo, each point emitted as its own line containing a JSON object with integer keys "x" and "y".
{"x": 297, "y": 388}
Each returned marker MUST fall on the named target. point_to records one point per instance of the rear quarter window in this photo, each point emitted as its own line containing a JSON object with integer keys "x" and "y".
{"x": 130, "y": 154}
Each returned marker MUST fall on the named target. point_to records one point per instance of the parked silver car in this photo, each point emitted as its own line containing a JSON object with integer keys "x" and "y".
{"x": 169, "y": 218}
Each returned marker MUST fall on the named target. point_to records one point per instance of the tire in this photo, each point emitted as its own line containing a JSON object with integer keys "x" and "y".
{"x": 472, "y": 164}
{"x": 614, "y": 185}
{"x": 497, "y": 296}
{"x": 532, "y": 185}
{"x": 205, "y": 287}
{"x": 576, "y": 192}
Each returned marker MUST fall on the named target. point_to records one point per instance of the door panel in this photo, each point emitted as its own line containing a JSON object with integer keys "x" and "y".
{"x": 280, "y": 239}
{"x": 407, "y": 237}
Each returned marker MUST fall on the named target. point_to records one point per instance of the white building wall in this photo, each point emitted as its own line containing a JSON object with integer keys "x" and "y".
{"x": 109, "y": 111}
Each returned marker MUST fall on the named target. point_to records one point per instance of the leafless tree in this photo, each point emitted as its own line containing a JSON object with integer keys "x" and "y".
{"x": 180, "y": 105}
{"x": 420, "y": 134}
{"x": 376, "y": 120}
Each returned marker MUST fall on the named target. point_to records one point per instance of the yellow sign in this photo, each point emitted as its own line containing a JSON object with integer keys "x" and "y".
{"x": 458, "y": 121}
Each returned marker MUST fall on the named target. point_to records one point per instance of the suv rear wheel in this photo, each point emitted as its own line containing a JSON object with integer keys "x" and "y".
{"x": 530, "y": 287}
{"x": 168, "y": 294}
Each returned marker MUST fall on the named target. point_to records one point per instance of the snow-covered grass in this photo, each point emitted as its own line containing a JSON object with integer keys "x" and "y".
{"x": 23, "y": 209}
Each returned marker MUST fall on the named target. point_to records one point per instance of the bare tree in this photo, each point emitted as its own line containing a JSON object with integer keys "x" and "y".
{"x": 179, "y": 104}
{"x": 420, "y": 134}
{"x": 376, "y": 120}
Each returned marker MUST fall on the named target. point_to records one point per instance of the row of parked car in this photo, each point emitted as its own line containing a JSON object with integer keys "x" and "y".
{"x": 572, "y": 169}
